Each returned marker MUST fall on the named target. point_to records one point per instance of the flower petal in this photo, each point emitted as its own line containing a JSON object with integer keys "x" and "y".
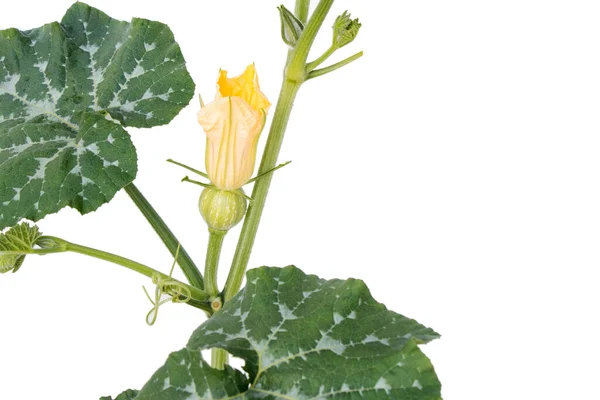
{"x": 245, "y": 86}
{"x": 232, "y": 129}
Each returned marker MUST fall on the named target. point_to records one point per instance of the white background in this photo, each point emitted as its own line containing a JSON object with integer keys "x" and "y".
{"x": 454, "y": 168}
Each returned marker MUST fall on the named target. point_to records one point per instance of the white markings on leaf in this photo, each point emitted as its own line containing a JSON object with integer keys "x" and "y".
{"x": 39, "y": 101}
{"x": 370, "y": 339}
{"x": 383, "y": 384}
{"x": 16, "y": 197}
{"x": 329, "y": 343}
{"x": 107, "y": 164}
{"x": 33, "y": 108}
{"x": 138, "y": 70}
{"x": 10, "y": 84}
{"x": 147, "y": 94}
{"x": 90, "y": 48}
{"x": 166, "y": 383}
{"x": 129, "y": 106}
{"x": 76, "y": 170}
{"x": 165, "y": 96}
{"x": 97, "y": 74}
{"x": 92, "y": 147}
{"x": 286, "y": 313}
{"x": 41, "y": 66}
{"x": 337, "y": 318}
{"x": 314, "y": 346}
{"x": 149, "y": 47}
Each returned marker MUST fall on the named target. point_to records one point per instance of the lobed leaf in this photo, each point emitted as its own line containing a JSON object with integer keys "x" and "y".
{"x": 304, "y": 338}
{"x": 67, "y": 90}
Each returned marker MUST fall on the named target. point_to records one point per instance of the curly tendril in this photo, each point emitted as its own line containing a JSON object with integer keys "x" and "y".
{"x": 177, "y": 291}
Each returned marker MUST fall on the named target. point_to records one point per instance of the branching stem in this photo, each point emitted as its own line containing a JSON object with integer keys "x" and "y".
{"x": 295, "y": 74}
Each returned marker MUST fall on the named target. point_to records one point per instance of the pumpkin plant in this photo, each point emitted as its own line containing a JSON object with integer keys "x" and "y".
{"x": 68, "y": 92}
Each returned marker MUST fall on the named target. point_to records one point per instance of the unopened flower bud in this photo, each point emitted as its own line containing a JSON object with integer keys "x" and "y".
{"x": 233, "y": 123}
{"x": 345, "y": 30}
{"x": 222, "y": 209}
{"x": 291, "y": 27}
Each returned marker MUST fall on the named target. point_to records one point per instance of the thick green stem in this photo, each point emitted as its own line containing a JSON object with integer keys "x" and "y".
{"x": 296, "y": 69}
{"x": 213, "y": 253}
{"x": 218, "y": 358}
{"x": 295, "y": 74}
{"x": 190, "y": 270}
{"x": 301, "y": 10}
{"x": 200, "y": 298}
{"x": 261, "y": 188}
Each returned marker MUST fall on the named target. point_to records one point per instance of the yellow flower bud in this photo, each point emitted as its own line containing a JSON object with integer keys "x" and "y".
{"x": 233, "y": 123}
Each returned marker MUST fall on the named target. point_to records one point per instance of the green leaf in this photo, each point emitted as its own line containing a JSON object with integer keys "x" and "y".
{"x": 305, "y": 338}
{"x": 126, "y": 395}
{"x": 187, "y": 376}
{"x": 66, "y": 93}
{"x": 15, "y": 244}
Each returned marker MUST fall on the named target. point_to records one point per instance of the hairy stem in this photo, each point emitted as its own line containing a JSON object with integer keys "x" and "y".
{"x": 200, "y": 298}
{"x": 261, "y": 188}
{"x": 215, "y": 243}
{"x": 296, "y": 69}
{"x": 295, "y": 74}
{"x": 301, "y": 10}
{"x": 189, "y": 268}
{"x": 218, "y": 358}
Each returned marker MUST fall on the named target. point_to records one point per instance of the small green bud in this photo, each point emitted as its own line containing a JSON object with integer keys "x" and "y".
{"x": 222, "y": 209}
{"x": 345, "y": 29}
{"x": 48, "y": 242}
{"x": 291, "y": 27}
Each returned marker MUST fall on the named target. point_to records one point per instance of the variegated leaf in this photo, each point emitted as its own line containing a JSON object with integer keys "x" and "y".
{"x": 67, "y": 90}
{"x": 304, "y": 338}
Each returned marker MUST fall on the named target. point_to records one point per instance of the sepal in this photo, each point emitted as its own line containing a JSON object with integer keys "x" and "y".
{"x": 291, "y": 27}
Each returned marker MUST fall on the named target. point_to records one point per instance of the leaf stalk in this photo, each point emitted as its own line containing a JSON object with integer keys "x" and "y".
{"x": 189, "y": 268}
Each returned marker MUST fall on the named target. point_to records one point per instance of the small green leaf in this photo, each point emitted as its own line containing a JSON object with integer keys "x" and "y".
{"x": 67, "y": 90}
{"x": 304, "y": 338}
{"x": 126, "y": 395}
{"x": 15, "y": 244}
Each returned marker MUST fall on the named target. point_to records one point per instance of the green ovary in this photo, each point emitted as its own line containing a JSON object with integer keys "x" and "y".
{"x": 222, "y": 209}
